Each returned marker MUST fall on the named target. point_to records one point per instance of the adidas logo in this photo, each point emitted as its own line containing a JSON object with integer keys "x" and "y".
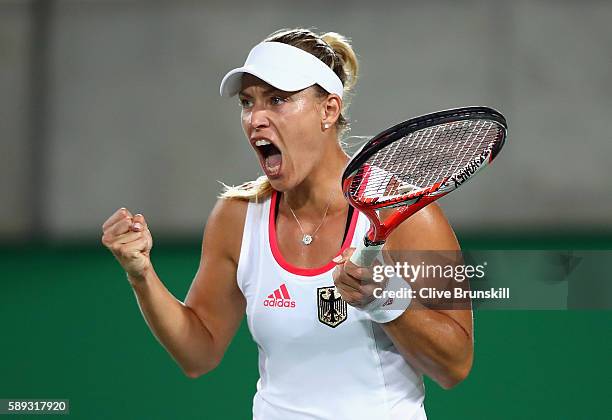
{"x": 280, "y": 298}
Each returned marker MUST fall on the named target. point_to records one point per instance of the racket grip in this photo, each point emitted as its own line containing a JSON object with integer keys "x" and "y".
{"x": 364, "y": 255}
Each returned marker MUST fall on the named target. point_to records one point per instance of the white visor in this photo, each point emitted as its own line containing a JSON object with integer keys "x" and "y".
{"x": 285, "y": 67}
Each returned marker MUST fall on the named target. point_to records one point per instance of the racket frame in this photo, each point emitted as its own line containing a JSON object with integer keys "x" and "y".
{"x": 379, "y": 230}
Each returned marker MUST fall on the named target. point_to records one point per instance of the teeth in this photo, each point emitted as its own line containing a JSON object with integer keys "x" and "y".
{"x": 262, "y": 142}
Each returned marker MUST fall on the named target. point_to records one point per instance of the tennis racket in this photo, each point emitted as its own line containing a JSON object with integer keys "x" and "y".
{"x": 414, "y": 163}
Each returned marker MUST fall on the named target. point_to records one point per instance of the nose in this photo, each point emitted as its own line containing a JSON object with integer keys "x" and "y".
{"x": 259, "y": 118}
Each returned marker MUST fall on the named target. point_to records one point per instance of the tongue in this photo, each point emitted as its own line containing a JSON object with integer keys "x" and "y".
{"x": 273, "y": 162}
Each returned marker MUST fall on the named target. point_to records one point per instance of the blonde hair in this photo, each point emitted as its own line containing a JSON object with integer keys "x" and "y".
{"x": 334, "y": 50}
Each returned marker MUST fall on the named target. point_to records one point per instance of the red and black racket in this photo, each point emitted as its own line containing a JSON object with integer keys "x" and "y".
{"x": 416, "y": 162}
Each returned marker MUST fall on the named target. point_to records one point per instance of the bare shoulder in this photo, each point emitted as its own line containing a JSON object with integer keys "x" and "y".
{"x": 228, "y": 210}
{"x": 223, "y": 233}
{"x": 427, "y": 229}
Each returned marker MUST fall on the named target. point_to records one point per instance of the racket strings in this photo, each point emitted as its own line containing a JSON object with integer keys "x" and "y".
{"x": 422, "y": 158}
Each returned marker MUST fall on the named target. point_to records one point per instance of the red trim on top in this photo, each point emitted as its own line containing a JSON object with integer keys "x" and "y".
{"x": 298, "y": 270}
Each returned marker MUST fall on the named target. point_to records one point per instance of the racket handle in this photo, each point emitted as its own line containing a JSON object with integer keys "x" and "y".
{"x": 364, "y": 255}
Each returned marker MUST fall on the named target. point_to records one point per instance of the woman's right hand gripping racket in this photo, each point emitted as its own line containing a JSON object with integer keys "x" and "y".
{"x": 416, "y": 162}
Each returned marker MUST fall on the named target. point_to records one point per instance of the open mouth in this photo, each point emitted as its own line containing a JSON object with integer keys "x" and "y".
{"x": 270, "y": 155}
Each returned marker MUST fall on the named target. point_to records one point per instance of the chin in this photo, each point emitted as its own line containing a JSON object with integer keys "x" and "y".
{"x": 280, "y": 184}
{"x": 283, "y": 183}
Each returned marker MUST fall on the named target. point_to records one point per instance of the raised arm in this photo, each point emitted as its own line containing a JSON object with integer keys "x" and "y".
{"x": 197, "y": 332}
{"x": 439, "y": 343}
{"x": 214, "y": 295}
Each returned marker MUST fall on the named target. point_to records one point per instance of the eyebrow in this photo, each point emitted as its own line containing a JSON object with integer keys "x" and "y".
{"x": 266, "y": 91}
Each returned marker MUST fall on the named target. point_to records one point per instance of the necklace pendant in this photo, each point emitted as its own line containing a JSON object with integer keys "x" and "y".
{"x": 306, "y": 239}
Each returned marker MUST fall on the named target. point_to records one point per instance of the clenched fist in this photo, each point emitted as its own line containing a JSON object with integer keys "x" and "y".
{"x": 130, "y": 241}
{"x": 354, "y": 283}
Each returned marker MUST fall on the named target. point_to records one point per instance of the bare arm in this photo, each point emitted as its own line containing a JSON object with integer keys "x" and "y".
{"x": 195, "y": 333}
{"x": 214, "y": 295}
{"x": 439, "y": 343}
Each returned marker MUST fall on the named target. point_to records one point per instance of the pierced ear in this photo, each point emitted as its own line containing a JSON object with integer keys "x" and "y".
{"x": 330, "y": 110}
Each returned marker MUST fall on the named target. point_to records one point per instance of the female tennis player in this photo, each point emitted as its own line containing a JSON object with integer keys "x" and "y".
{"x": 277, "y": 249}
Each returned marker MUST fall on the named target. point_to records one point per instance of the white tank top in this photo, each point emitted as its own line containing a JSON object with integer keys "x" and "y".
{"x": 319, "y": 358}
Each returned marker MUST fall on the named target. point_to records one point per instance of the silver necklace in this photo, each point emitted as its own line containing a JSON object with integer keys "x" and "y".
{"x": 306, "y": 238}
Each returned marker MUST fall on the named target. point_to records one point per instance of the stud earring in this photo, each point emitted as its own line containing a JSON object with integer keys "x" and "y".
{"x": 326, "y": 126}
